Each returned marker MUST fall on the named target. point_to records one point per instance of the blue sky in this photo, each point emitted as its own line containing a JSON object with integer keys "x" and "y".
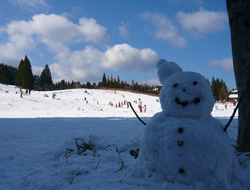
{"x": 81, "y": 39}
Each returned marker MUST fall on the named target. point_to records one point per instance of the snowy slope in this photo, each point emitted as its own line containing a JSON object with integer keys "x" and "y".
{"x": 37, "y": 131}
{"x": 71, "y": 103}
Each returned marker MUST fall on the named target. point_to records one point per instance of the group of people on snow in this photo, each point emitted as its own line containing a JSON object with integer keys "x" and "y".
{"x": 23, "y": 92}
{"x": 121, "y": 104}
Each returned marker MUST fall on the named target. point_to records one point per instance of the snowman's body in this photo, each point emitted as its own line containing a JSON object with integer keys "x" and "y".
{"x": 187, "y": 150}
{"x": 184, "y": 143}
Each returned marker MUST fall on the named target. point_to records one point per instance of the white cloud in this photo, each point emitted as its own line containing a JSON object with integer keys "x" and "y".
{"x": 55, "y": 31}
{"x": 165, "y": 30}
{"x": 123, "y": 29}
{"x": 77, "y": 65}
{"x": 126, "y": 58}
{"x": 60, "y": 34}
{"x": 226, "y": 64}
{"x": 57, "y": 28}
{"x": 88, "y": 63}
{"x": 30, "y": 5}
{"x": 203, "y": 21}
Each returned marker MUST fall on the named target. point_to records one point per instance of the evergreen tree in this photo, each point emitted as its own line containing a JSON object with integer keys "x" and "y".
{"x": 24, "y": 76}
{"x": 133, "y": 84}
{"x": 108, "y": 83}
{"x": 223, "y": 92}
{"x": 88, "y": 85}
{"x": 104, "y": 81}
{"x": 122, "y": 85}
{"x": 46, "y": 80}
{"x": 115, "y": 83}
{"x": 27, "y": 76}
{"x": 99, "y": 85}
{"x": 62, "y": 84}
{"x": 219, "y": 89}
{"x": 37, "y": 82}
{"x": 118, "y": 82}
{"x": 18, "y": 81}
{"x": 94, "y": 86}
{"x": 111, "y": 82}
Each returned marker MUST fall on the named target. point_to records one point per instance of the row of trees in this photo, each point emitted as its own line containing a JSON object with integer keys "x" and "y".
{"x": 7, "y": 74}
{"x": 23, "y": 77}
{"x": 219, "y": 89}
{"x": 116, "y": 83}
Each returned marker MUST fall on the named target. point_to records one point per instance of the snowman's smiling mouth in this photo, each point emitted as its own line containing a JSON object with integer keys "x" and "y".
{"x": 185, "y": 103}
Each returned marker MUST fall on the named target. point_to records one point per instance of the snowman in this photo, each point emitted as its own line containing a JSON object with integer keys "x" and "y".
{"x": 184, "y": 143}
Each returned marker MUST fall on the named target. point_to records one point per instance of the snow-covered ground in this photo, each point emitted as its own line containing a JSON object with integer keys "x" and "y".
{"x": 38, "y": 140}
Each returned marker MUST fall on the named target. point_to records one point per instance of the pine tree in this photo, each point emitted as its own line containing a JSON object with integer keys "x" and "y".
{"x": 46, "y": 80}
{"x": 111, "y": 82}
{"x": 27, "y": 76}
{"x": 24, "y": 76}
{"x": 104, "y": 81}
{"x": 122, "y": 85}
{"x": 108, "y": 83}
{"x": 62, "y": 84}
{"x": 118, "y": 82}
{"x": 133, "y": 84}
{"x": 37, "y": 82}
{"x": 88, "y": 85}
{"x": 18, "y": 81}
{"x": 115, "y": 83}
{"x": 94, "y": 86}
{"x": 223, "y": 92}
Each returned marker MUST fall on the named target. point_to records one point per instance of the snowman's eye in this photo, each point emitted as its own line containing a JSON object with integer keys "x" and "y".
{"x": 195, "y": 83}
{"x": 175, "y": 85}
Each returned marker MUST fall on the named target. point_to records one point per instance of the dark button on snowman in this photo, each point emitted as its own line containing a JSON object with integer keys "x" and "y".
{"x": 184, "y": 143}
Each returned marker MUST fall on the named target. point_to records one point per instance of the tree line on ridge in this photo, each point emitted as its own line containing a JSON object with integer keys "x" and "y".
{"x": 23, "y": 77}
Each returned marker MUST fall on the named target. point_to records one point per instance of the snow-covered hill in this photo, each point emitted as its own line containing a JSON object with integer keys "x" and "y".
{"x": 38, "y": 141}
{"x": 82, "y": 103}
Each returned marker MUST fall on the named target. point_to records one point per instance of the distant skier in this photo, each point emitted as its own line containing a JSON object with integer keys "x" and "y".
{"x": 140, "y": 105}
{"x": 53, "y": 95}
{"x": 145, "y": 108}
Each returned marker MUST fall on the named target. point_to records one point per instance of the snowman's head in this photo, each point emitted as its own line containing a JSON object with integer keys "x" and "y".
{"x": 184, "y": 94}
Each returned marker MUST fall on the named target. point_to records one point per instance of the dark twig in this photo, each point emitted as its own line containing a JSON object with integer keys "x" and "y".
{"x": 235, "y": 109}
{"x": 136, "y": 114}
{"x": 98, "y": 164}
{"x": 120, "y": 161}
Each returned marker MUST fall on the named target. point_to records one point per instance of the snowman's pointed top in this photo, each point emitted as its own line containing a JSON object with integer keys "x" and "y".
{"x": 166, "y": 69}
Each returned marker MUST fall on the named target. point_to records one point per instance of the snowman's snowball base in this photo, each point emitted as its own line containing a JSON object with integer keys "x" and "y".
{"x": 184, "y": 144}
{"x": 186, "y": 151}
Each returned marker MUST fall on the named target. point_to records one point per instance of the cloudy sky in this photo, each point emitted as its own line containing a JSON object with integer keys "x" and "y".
{"x": 82, "y": 39}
